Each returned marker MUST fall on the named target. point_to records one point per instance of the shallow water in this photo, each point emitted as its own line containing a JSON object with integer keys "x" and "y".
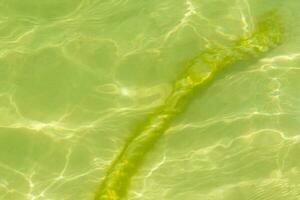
{"x": 78, "y": 77}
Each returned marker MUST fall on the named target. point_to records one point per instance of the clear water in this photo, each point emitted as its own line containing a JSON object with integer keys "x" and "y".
{"x": 77, "y": 77}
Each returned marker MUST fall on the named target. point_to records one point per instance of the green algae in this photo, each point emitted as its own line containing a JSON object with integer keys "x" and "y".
{"x": 196, "y": 75}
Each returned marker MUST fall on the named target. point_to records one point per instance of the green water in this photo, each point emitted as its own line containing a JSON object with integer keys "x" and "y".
{"x": 78, "y": 80}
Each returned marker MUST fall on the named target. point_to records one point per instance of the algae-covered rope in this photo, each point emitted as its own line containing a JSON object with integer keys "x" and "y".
{"x": 266, "y": 35}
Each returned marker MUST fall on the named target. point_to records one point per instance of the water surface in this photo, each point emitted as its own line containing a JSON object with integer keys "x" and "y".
{"x": 77, "y": 77}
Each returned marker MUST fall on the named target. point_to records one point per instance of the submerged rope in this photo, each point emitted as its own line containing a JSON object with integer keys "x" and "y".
{"x": 267, "y": 35}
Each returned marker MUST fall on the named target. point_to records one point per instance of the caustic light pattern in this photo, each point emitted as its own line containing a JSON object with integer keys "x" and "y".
{"x": 149, "y": 100}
